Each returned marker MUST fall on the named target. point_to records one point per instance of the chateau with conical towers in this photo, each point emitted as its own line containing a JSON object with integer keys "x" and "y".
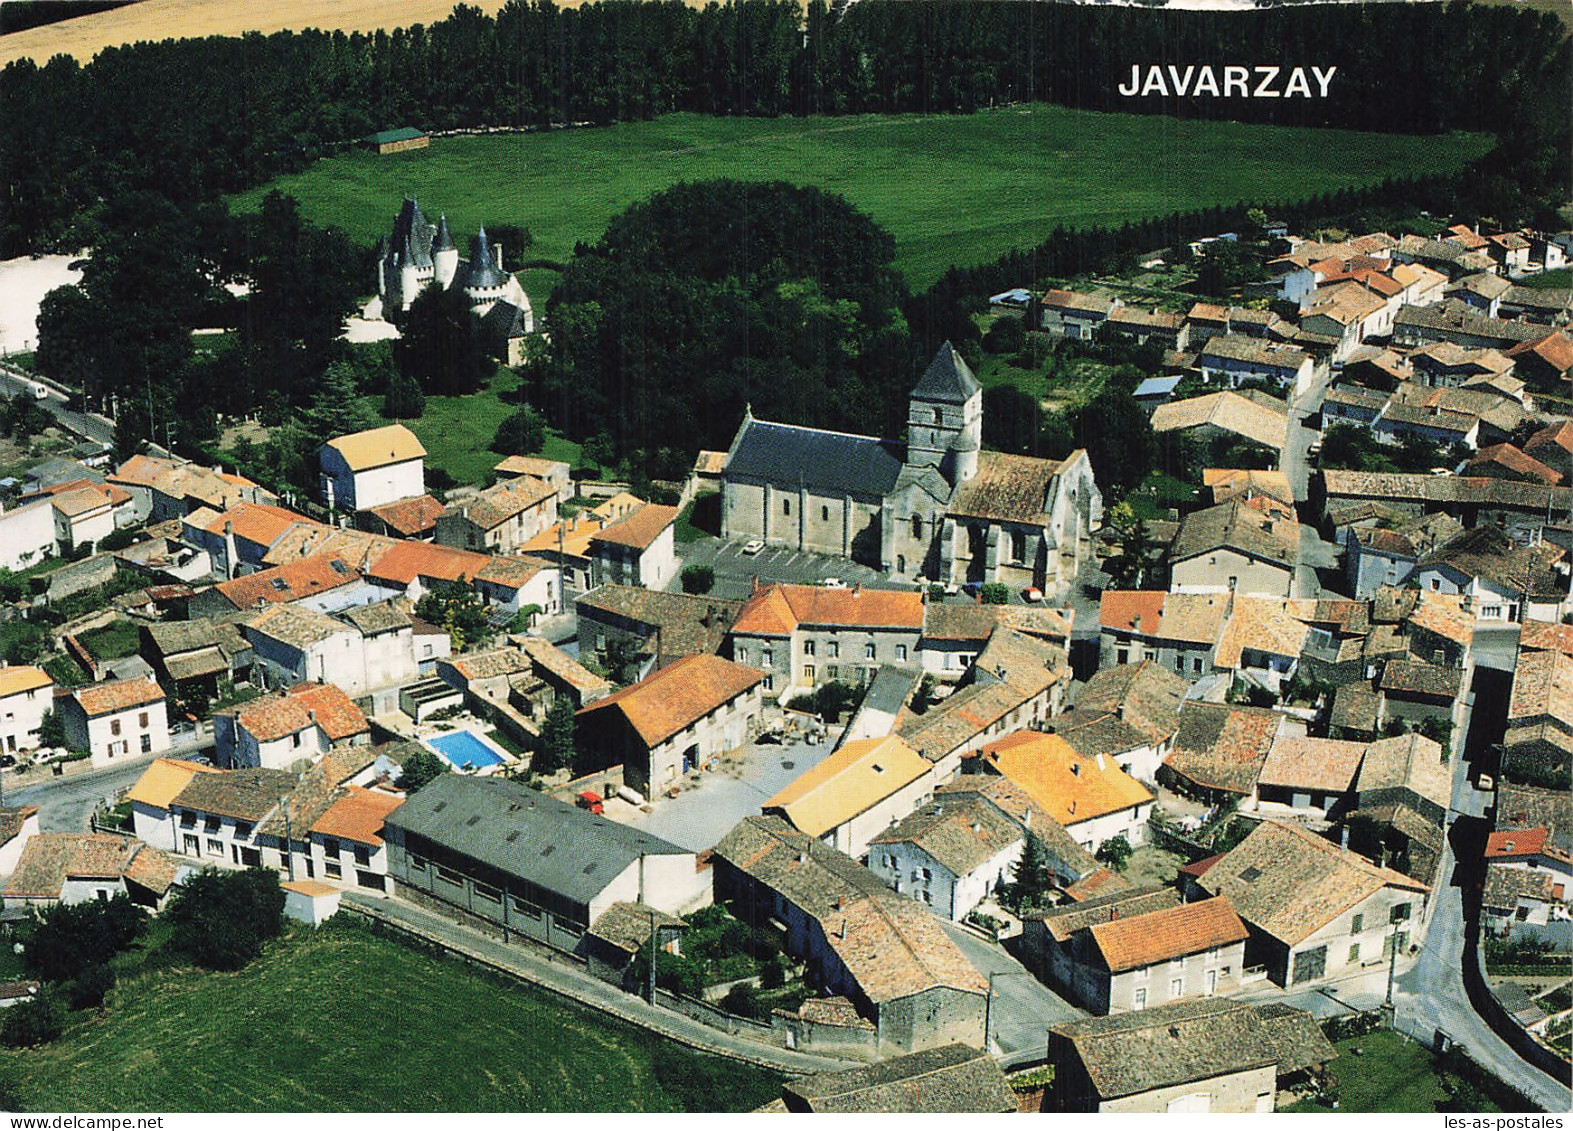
{"x": 420, "y": 254}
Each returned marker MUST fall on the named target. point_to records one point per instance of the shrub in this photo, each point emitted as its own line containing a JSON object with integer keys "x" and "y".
{"x": 520, "y": 434}
{"x": 772, "y": 974}
{"x": 35, "y": 1022}
{"x": 92, "y": 985}
{"x": 1115, "y": 852}
{"x": 67, "y": 939}
{"x": 995, "y": 593}
{"x": 698, "y": 579}
{"x": 221, "y": 919}
{"x": 116, "y": 540}
{"x": 743, "y": 1000}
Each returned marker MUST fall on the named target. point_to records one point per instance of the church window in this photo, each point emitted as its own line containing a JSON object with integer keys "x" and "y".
{"x": 938, "y": 419}
{"x": 1018, "y": 545}
{"x": 824, "y": 514}
{"x": 786, "y": 506}
{"x": 917, "y": 526}
{"x": 901, "y": 563}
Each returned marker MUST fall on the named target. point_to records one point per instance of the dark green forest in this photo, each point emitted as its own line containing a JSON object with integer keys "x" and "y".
{"x": 778, "y": 296}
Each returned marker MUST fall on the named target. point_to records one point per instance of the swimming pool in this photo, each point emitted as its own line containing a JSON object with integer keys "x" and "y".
{"x": 465, "y": 749}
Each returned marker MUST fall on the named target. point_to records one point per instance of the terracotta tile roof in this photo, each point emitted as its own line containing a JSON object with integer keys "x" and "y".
{"x": 154, "y": 870}
{"x": 12, "y": 818}
{"x": 1065, "y": 920}
{"x": 1228, "y": 411}
{"x": 1253, "y": 351}
{"x": 802, "y": 869}
{"x": 562, "y": 666}
{"x": 833, "y": 1011}
{"x": 960, "y": 831}
{"x": 640, "y": 529}
{"x": 851, "y": 781}
{"x": 1290, "y": 883}
{"x": 950, "y": 1079}
{"x": 1516, "y": 842}
{"x": 1071, "y": 787}
{"x": 49, "y": 859}
{"x": 294, "y": 625}
{"x": 1191, "y": 928}
{"x": 1075, "y": 300}
{"x": 1208, "y": 312}
{"x": 162, "y": 781}
{"x": 357, "y": 816}
{"x": 1416, "y": 677}
{"x": 778, "y": 610}
{"x": 142, "y": 470}
{"x": 83, "y": 496}
{"x": 1221, "y": 746}
{"x": 1132, "y": 610}
{"x": 1009, "y": 488}
{"x": 409, "y": 518}
{"x": 1506, "y": 885}
{"x": 291, "y": 711}
{"x": 1227, "y": 482}
{"x": 1542, "y": 688}
{"x": 678, "y": 695}
{"x": 14, "y": 680}
{"x": 1555, "y": 350}
{"x": 1260, "y": 624}
{"x": 1537, "y": 635}
{"x": 1145, "y": 696}
{"x": 1487, "y": 552}
{"x": 682, "y": 624}
{"x": 1529, "y": 807}
{"x": 248, "y": 794}
{"x": 378, "y": 447}
{"x": 317, "y": 574}
{"x": 1234, "y": 526}
{"x": 490, "y": 664}
{"x": 403, "y": 562}
{"x": 1320, "y": 765}
{"x": 1100, "y": 881}
{"x": 1185, "y": 1042}
{"x": 1445, "y": 615}
{"x": 117, "y": 695}
{"x": 1558, "y": 435}
{"x": 895, "y": 948}
{"x": 257, "y": 523}
{"x": 305, "y": 538}
{"x": 627, "y": 926}
{"x": 503, "y": 501}
{"x": 975, "y": 623}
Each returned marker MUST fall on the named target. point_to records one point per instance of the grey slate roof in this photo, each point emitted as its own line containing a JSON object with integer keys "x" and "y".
{"x": 961, "y": 833}
{"x": 514, "y": 829}
{"x": 828, "y": 462}
{"x": 946, "y": 379}
{"x": 444, "y": 241}
{"x": 1186, "y": 1041}
{"x": 951, "y": 1078}
{"x": 483, "y": 270}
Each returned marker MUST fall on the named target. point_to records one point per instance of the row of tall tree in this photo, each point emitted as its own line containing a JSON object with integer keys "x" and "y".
{"x": 197, "y": 118}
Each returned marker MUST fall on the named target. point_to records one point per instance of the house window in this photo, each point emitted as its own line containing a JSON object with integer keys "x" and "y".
{"x": 833, "y": 650}
{"x": 832, "y": 671}
{"x": 770, "y": 683}
{"x": 808, "y": 648}
{"x": 868, "y": 651}
{"x": 147, "y": 744}
{"x": 1179, "y": 663}
{"x": 114, "y": 726}
{"x": 927, "y": 874}
{"x": 1354, "y": 953}
{"x": 330, "y": 849}
{"x": 808, "y": 672}
{"x": 1400, "y": 912}
{"x": 1357, "y": 924}
{"x": 192, "y": 846}
{"x": 786, "y": 506}
{"x": 242, "y": 829}
{"x": 767, "y": 658}
{"x": 742, "y": 655}
{"x": 210, "y": 825}
{"x": 142, "y": 720}
{"x": 333, "y": 870}
{"x": 1196, "y": 664}
{"x": 449, "y": 876}
{"x": 215, "y": 846}
{"x": 824, "y": 514}
{"x": 1176, "y": 987}
{"x": 901, "y": 652}
{"x": 1139, "y": 999}
{"x": 362, "y": 855}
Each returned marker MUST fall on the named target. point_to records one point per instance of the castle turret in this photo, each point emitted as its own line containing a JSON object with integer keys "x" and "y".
{"x": 409, "y": 282}
{"x": 484, "y": 280}
{"x": 444, "y": 254}
{"x": 945, "y": 417}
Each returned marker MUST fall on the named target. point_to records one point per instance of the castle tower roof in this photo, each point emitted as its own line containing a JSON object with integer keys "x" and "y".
{"x": 947, "y": 379}
{"x": 483, "y": 272}
{"x": 444, "y": 241}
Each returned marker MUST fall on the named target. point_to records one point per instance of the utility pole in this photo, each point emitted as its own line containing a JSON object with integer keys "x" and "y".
{"x": 652, "y": 956}
{"x": 289, "y": 840}
{"x": 988, "y": 1014}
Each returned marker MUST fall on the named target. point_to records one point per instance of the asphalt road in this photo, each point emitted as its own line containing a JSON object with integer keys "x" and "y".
{"x": 735, "y": 571}
{"x": 90, "y": 426}
{"x": 1022, "y": 1008}
{"x": 66, "y": 804}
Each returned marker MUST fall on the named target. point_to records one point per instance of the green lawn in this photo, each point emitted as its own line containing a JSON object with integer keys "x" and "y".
{"x": 1390, "y": 1074}
{"x": 114, "y": 641}
{"x": 952, "y": 189}
{"x": 1546, "y": 280}
{"x": 340, "y": 1020}
{"x": 458, "y": 431}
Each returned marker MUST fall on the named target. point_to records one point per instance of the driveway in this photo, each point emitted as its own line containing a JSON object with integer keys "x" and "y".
{"x": 1022, "y": 1008}
{"x": 706, "y": 811}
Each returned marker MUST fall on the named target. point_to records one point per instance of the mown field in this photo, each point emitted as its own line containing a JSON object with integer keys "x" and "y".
{"x": 1387, "y": 1073}
{"x": 951, "y": 189}
{"x": 340, "y": 1020}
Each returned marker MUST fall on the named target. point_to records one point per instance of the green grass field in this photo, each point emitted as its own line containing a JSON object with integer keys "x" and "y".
{"x": 1390, "y": 1074}
{"x": 952, "y": 189}
{"x": 458, "y": 431}
{"x": 340, "y": 1020}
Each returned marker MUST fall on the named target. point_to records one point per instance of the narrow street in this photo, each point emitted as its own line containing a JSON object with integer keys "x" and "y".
{"x": 66, "y": 804}
{"x": 1021, "y": 1008}
{"x": 88, "y": 425}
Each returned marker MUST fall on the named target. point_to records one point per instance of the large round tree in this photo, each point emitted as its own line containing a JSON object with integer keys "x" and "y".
{"x": 715, "y": 295}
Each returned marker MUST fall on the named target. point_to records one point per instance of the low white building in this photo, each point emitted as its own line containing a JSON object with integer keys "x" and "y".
{"x": 115, "y": 721}
{"x": 77, "y": 867}
{"x": 27, "y": 534}
{"x": 152, "y": 796}
{"x": 950, "y": 855}
{"x": 310, "y": 901}
{"x": 370, "y": 468}
{"x": 26, "y": 696}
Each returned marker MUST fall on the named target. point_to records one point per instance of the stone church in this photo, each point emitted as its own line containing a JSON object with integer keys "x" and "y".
{"x": 937, "y": 507}
{"x": 421, "y": 254}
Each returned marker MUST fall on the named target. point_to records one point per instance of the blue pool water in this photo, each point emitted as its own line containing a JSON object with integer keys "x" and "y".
{"x": 461, "y": 749}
